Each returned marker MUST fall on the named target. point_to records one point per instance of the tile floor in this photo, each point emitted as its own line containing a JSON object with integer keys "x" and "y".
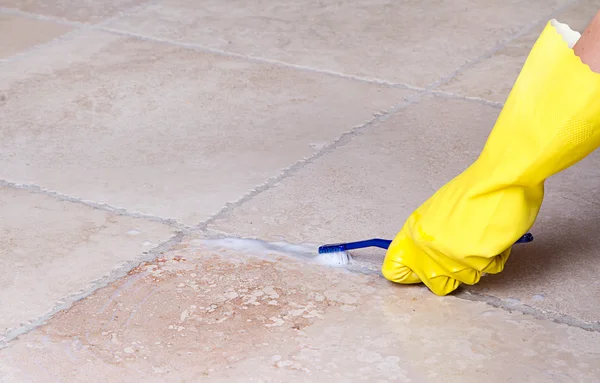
{"x": 167, "y": 168}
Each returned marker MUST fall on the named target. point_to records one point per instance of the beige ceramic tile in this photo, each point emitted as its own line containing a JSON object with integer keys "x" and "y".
{"x": 168, "y": 131}
{"x": 73, "y": 10}
{"x": 369, "y": 187}
{"x": 493, "y": 78}
{"x": 19, "y": 34}
{"x": 52, "y": 249}
{"x": 204, "y": 313}
{"x": 414, "y": 42}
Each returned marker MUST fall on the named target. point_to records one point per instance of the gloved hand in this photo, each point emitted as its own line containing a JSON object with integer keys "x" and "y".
{"x": 550, "y": 121}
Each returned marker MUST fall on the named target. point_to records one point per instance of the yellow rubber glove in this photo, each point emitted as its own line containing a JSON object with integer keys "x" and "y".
{"x": 550, "y": 121}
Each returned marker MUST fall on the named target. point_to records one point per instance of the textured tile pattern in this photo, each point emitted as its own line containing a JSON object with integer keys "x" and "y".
{"x": 168, "y": 131}
{"x": 221, "y": 315}
{"x": 132, "y": 129}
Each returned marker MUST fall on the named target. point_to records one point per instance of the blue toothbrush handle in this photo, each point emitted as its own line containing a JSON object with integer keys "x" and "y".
{"x": 375, "y": 242}
{"x": 384, "y": 244}
{"x": 526, "y": 238}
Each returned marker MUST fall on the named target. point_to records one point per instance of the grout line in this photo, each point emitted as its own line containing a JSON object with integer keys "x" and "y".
{"x": 220, "y": 234}
{"x": 279, "y": 63}
{"x": 67, "y": 302}
{"x": 528, "y": 310}
{"x": 95, "y": 205}
{"x": 455, "y": 96}
{"x": 342, "y": 140}
{"x": 522, "y": 32}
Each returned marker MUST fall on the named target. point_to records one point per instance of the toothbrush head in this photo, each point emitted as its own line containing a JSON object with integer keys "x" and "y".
{"x": 334, "y": 248}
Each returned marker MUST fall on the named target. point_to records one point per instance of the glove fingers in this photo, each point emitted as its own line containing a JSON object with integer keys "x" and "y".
{"x": 393, "y": 270}
{"x": 497, "y": 263}
{"x": 407, "y": 263}
{"x": 443, "y": 284}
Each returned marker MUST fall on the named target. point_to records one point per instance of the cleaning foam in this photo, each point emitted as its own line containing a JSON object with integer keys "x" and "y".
{"x": 306, "y": 251}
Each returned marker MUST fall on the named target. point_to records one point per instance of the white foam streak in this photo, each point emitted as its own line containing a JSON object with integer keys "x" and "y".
{"x": 305, "y": 251}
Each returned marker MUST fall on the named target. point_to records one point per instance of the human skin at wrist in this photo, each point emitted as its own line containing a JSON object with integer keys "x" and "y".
{"x": 588, "y": 46}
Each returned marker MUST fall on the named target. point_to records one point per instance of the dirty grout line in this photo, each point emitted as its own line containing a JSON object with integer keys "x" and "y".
{"x": 67, "y": 302}
{"x": 341, "y": 141}
{"x": 95, "y": 205}
{"x": 528, "y": 310}
{"x": 262, "y": 60}
{"x": 219, "y": 234}
{"x": 455, "y": 96}
{"x": 522, "y": 32}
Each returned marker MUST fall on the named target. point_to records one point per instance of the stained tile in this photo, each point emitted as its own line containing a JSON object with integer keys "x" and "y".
{"x": 53, "y": 250}
{"x": 205, "y": 312}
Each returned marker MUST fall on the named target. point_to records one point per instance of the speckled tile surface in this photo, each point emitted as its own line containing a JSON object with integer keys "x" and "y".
{"x": 204, "y": 312}
{"x": 139, "y": 139}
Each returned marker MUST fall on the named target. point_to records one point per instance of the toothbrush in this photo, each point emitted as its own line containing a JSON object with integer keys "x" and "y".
{"x": 383, "y": 244}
